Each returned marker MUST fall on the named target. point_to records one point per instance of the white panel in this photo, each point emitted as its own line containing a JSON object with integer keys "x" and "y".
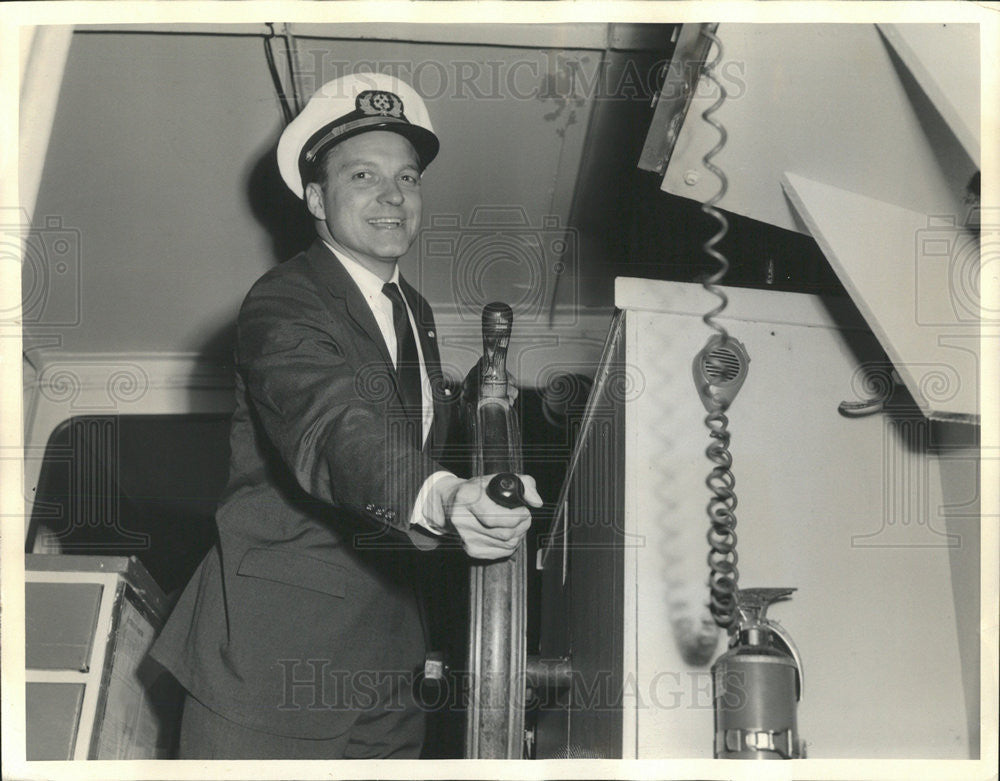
{"x": 944, "y": 59}
{"x": 846, "y": 510}
{"x": 27, "y": 36}
{"x": 827, "y": 102}
{"x": 915, "y": 279}
{"x": 631, "y": 619}
{"x": 664, "y": 502}
{"x": 42, "y": 73}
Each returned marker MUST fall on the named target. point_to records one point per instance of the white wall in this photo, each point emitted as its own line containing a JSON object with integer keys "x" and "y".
{"x": 160, "y": 174}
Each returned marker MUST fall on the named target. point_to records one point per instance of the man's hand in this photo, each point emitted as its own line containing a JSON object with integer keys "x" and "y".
{"x": 487, "y": 530}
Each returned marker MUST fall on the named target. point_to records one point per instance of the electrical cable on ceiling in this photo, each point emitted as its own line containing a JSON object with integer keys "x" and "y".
{"x": 286, "y": 110}
{"x": 292, "y": 53}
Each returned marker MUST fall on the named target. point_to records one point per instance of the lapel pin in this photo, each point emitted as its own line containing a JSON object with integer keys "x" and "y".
{"x": 430, "y": 334}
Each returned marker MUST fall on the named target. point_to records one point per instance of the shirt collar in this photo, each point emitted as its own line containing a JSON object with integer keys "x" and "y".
{"x": 369, "y": 283}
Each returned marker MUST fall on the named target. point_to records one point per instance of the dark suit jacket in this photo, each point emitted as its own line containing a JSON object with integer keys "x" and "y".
{"x": 309, "y": 595}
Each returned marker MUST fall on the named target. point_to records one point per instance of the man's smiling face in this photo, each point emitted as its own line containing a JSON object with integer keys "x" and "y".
{"x": 370, "y": 204}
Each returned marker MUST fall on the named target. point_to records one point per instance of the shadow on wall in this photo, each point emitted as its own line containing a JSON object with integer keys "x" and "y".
{"x": 288, "y": 225}
{"x": 275, "y": 207}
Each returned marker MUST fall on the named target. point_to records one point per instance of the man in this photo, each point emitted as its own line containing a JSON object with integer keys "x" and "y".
{"x": 300, "y": 632}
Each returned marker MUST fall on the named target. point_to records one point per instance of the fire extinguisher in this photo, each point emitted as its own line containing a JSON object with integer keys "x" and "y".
{"x": 757, "y": 684}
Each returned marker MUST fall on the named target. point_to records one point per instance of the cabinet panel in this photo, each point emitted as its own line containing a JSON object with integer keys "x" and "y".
{"x": 860, "y": 514}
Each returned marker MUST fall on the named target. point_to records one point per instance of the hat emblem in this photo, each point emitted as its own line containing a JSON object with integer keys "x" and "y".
{"x": 379, "y": 103}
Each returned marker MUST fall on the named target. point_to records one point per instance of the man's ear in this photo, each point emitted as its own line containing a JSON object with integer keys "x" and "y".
{"x": 314, "y": 200}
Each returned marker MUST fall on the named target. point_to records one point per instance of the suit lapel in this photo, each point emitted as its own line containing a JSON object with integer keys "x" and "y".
{"x": 340, "y": 285}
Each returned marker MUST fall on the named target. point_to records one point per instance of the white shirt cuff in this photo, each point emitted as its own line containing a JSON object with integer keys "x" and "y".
{"x": 428, "y": 509}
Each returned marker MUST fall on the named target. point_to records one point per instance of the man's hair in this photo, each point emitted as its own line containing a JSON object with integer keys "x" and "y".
{"x": 316, "y": 170}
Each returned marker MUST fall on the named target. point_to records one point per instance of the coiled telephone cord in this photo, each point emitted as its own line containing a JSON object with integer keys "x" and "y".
{"x": 722, "y": 557}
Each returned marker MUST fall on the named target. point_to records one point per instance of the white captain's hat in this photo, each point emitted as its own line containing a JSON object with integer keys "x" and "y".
{"x": 345, "y": 107}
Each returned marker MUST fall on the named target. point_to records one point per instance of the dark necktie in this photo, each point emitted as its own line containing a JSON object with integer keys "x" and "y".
{"x": 407, "y": 362}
